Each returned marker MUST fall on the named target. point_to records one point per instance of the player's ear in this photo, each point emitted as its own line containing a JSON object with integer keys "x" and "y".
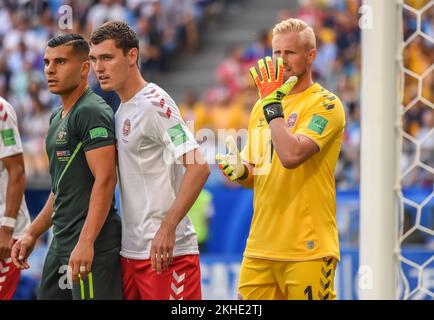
{"x": 311, "y": 56}
{"x": 133, "y": 56}
{"x": 85, "y": 67}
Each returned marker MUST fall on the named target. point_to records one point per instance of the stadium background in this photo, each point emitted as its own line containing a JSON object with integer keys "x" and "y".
{"x": 200, "y": 52}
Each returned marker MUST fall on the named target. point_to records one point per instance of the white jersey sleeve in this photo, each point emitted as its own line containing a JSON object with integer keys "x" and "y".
{"x": 166, "y": 126}
{"x": 151, "y": 137}
{"x": 10, "y": 142}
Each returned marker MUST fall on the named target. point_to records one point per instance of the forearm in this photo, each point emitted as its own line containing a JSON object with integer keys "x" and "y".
{"x": 192, "y": 183}
{"x": 287, "y": 145}
{"x": 99, "y": 207}
{"x": 43, "y": 220}
{"x": 14, "y": 191}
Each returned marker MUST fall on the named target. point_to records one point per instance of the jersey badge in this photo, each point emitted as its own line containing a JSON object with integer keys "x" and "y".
{"x": 317, "y": 124}
{"x": 8, "y": 137}
{"x": 62, "y": 136}
{"x": 292, "y": 119}
{"x": 177, "y": 135}
{"x": 99, "y": 132}
{"x": 63, "y": 155}
{"x": 126, "y": 128}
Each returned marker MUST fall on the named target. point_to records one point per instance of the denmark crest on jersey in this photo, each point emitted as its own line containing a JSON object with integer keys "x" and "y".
{"x": 126, "y": 127}
{"x": 292, "y": 119}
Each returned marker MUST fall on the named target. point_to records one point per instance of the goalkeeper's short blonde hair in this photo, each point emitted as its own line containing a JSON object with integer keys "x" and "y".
{"x": 298, "y": 26}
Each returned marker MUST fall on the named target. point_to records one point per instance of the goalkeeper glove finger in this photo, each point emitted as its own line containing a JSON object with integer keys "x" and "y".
{"x": 271, "y": 88}
{"x": 230, "y": 164}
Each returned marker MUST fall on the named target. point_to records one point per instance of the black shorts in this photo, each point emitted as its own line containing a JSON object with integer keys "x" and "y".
{"x": 105, "y": 282}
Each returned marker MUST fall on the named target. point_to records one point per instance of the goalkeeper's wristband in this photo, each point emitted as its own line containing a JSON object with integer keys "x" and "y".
{"x": 272, "y": 111}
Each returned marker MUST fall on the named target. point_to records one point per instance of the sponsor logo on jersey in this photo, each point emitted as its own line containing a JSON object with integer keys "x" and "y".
{"x": 63, "y": 155}
{"x": 62, "y": 136}
{"x": 8, "y": 137}
{"x": 317, "y": 124}
{"x": 328, "y": 106}
{"x": 261, "y": 122}
{"x": 126, "y": 128}
{"x": 292, "y": 119}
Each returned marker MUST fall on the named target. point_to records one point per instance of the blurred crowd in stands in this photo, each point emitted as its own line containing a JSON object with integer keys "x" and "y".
{"x": 166, "y": 27}
{"x": 227, "y": 104}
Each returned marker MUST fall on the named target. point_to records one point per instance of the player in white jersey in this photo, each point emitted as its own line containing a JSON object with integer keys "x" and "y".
{"x": 161, "y": 173}
{"x": 14, "y": 216}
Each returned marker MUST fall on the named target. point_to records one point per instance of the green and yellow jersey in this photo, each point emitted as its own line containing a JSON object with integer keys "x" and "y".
{"x": 89, "y": 125}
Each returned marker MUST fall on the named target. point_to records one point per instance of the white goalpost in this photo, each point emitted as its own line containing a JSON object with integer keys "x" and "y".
{"x": 383, "y": 230}
{"x": 379, "y": 152}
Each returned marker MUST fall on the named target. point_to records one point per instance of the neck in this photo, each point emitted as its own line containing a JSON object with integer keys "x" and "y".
{"x": 68, "y": 100}
{"x": 304, "y": 82}
{"x": 134, "y": 84}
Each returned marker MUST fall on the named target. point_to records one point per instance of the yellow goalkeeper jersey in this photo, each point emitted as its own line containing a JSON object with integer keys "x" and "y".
{"x": 295, "y": 209}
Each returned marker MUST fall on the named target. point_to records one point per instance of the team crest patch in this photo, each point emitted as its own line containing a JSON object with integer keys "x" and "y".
{"x": 126, "y": 128}
{"x": 292, "y": 119}
{"x": 62, "y": 136}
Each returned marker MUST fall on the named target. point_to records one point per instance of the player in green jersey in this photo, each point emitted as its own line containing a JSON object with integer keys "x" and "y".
{"x": 81, "y": 149}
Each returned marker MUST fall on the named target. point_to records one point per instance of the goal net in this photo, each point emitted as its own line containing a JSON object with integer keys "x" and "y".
{"x": 415, "y": 245}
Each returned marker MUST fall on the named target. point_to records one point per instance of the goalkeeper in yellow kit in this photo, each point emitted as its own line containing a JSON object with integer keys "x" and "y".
{"x": 294, "y": 140}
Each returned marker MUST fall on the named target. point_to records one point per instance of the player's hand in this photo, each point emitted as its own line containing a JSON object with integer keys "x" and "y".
{"x": 162, "y": 247}
{"x": 230, "y": 164}
{"x": 80, "y": 261}
{"x": 271, "y": 88}
{"x": 21, "y": 250}
{"x": 6, "y": 242}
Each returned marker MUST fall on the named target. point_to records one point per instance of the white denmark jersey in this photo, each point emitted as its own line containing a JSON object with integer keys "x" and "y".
{"x": 10, "y": 144}
{"x": 150, "y": 136}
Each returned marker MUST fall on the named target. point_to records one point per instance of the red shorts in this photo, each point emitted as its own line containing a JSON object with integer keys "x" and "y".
{"x": 9, "y": 278}
{"x": 181, "y": 281}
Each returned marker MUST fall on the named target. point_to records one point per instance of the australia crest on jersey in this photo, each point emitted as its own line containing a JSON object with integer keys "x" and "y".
{"x": 62, "y": 136}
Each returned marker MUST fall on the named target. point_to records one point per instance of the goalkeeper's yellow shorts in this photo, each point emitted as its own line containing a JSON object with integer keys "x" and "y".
{"x": 262, "y": 279}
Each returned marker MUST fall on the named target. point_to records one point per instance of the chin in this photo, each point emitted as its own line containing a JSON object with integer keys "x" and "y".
{"x": 106, "y": 87}
{"x": 54, "y": 91}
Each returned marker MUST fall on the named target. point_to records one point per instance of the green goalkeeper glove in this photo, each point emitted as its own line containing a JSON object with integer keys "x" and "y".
{"x": 271, "y": 88}
{"x": 230, "y": 164}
